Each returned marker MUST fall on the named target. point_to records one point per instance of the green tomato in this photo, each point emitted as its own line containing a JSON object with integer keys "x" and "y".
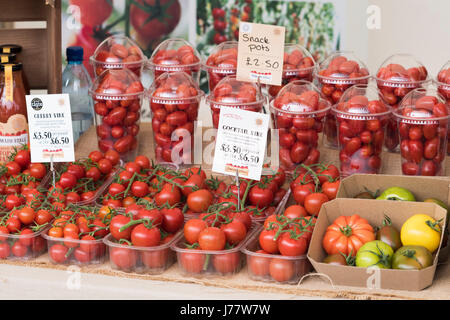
{"x": 375, "y": 254}
{"x": 397, "y": 193}
{"x": 412, "y": 258}
{"x": 439, "y": 203}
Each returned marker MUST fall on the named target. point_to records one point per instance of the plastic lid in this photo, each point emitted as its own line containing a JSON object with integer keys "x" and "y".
{"x": 174, "y": 86}
{"x": 361, "y": 100}
{"x": 300, "y": 97}
{"x": 340, "y": 67}
{"x": 232, "y": 92}
{"x": 74, "y": 53}
{"x": 121, "y": 84}
{"x": 224, "y": 57}
{"x": 10, "y": 48}
{"x": 402, "y": 68}
{"x": 444, "y": 74}
{"x": 15, "y": 66}
{"x": 116, "y": 51}
{"x": 422, "y": 104}
{"x": 297, "y": 58}
{"x": 171, "y": 54}
{"x": 7, "y": 57}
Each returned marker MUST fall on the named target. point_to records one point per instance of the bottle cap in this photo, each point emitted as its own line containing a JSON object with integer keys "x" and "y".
{"x": 74, "y": 53}
{"x": 15, "y": 66}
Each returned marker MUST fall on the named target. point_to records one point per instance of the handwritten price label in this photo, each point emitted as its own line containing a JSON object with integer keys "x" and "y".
{"x": 50, "y": 125}
{"x": 260, "y": 53}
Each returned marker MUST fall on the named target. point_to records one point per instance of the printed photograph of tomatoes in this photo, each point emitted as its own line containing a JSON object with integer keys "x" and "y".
{"x": 139, "y": 241}
{"x": 76, "y": 234}
{"x": 87, "y": 23}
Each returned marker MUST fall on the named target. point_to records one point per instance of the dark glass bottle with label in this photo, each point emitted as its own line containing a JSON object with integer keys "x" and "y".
{"x": 16, "y": 50}
{"x": 13, "y": 110}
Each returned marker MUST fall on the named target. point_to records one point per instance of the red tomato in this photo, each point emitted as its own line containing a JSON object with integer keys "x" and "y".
{"x": 281, "y": 270}
{"x": 192, "y": 262}
{"x": 58, "y": 253}
{"x": 314, "y": 201}
{"x": 258, "y": 264}
{"x": 141, "y": 236}
{"x": 267, "y": 242}
{"x": 227, "y": 262}
{"x": 289, "y": 246}
{"x": 212, "y": 238}
{"x": 199, "y": 201}
{"x": 235, "y": 231}
{"x": 172, "y": 219}
{"x": 123, "y": 258}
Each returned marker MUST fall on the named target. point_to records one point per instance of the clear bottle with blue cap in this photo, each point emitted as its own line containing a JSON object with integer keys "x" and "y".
{"x": 76, "y": 82}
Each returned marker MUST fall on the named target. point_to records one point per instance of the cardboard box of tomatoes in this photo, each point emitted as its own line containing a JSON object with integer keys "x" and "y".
{"x": 422, "y": 188}
{"x": 375, "y": 260}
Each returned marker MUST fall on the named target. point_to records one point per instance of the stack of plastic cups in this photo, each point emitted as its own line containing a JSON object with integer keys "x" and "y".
{"x": 298, "y": 112}
{"x": 335, "y": 74}
{"x": 362, "y": 118}
{"x": 221, "y": 63}
{"x": 398, "y": 75}
{"x": 422, "y": 120}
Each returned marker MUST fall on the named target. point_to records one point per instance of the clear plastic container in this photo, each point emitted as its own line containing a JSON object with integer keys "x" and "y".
{"x": 338, "y": 72}
{"x": 117, "y": 96}
{"x": 298, "y": 64}
{"x": 174, "y": 102}
{"x": 398, "y": 75}
{"x": 362, "y": 118}
{"x": 422, "y": 120}
{"x": 443, "y": 83}
{"x": 298, "y": 112}
{"x": 273, "y": 267}
{"x": 204, "y": 263}
{"x": 175, "y": 55}
{"x": 82, "y": 252}
{"x": 221, "y": 63}
{"x": 233, "y": 93}
{"x": 148, "y": 260}
{"x": 23, "y": 247}
{"x": 118, "y": 52}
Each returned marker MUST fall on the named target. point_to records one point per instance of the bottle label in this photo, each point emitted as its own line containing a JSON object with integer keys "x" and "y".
{"x": 5, "y": 59}
{"x": 14, "y": 133}
{"x": 9, "y": 85}
{"x": 6, "y": 50}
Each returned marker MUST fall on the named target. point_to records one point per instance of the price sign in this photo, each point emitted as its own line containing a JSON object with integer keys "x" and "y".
{"x": 260, "y": 53}
{"x": 241, "y": 143}
{"x": 50, "y": 127}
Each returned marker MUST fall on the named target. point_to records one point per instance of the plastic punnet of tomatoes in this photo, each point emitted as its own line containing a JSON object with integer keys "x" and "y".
{"x": 22, "y": 228}
{"x": 137, "y": 183}
{"x": 174, "y": 102}
{"x": 117, "y": 96}
{"x": 362, "y": 118}
{"x": 211, "y": 244}
{"x": 175, "y": 55}
{"x": 338, "y": 72}
{"x": 222, "y": 62}
{"x": 298, "y": 64}
{"x": 397, "y": 76}
{"x": 139, "y": 242}
{"x": 422, "y": 120}
{"x": 118, "y": 52}
{"x": 233, "y": 93}
{"x": 76, "y": 235}
{"x": 277, "y": 251}
{"x": 443, "y": 83}
{"x": 298, "y": 113}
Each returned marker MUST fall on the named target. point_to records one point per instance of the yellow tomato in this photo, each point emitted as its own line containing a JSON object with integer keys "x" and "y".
{"x": 421, "y": 230}
{"x": 104, "y": 212}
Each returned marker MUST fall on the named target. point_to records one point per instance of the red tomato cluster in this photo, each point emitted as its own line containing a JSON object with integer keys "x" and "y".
{"x": 395, "y": 82}
{"x": 221, "y": 63}
{"x": 117, "y": 98}
{"x": 118, "y": 52}
{"x": 443, "y": 83}
{"x": 20, "y": 234}
{"x": 230, "y": 92}
{"x": 213, "y": 232}
{"x": 298, "y": 64}
{"x": 337, "y": 73}
{"x": 423, "y": 126}
{"x": 298, "y": 113}
{"x": 219, "y": 25}
{"x": 80, "y": 180}
{"x": 286, "y": 235}
{"x": 76, "y": 233}
{"x": 175, "y": 55}
{"x": 361, "y": 129}
{"x": 137, "y": 238}
{"x": 314, "y": 185}
{"x": 174, "y": 101}
{"x": 19, "y": 180}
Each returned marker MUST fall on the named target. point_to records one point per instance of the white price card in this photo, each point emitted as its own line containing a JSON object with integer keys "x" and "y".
{"x": 50, "y": 127}
{"x": 260, "y": 53}
{"x": 241, "y": 143}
